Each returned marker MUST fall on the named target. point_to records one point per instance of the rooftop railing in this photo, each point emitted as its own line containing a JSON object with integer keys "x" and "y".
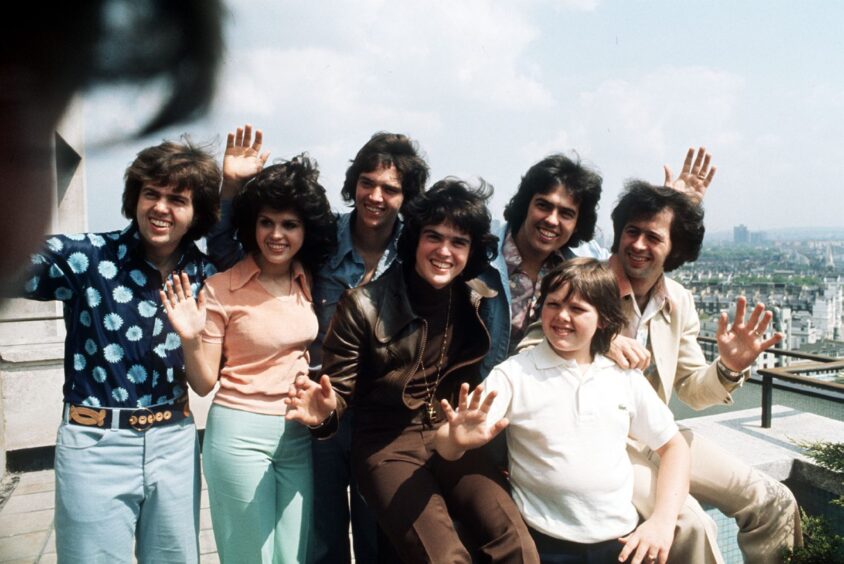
{"x": 801, "y": 376}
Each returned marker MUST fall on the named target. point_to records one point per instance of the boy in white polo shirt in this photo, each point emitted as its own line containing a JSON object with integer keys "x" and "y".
{"x": 568, "y": 411}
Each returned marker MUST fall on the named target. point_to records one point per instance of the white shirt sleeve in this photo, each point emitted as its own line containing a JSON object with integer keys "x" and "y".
{"x": 652, "y": 421}
{"x": 500, "y": 382}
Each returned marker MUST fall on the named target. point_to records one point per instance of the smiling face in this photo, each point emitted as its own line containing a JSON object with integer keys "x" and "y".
{"x": 164, "y": 215}
{"x": 644, "y": 245}
{"x": 279, "y": 235}
{"x": 569, "y": 323}
{"x": 442, "y": 253}
{"x": 378, "y": 198}
{"x": 550, "y": 220}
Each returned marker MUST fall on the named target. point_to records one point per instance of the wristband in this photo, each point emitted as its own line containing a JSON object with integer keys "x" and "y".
{"x": 730, "y": 375}
{"x": 324, "y": 422}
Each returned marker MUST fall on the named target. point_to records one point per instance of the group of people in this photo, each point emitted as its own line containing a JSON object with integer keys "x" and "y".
{"x": 367, "y": 364}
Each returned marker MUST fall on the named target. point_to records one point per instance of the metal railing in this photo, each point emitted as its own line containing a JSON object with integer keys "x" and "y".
{"x": 830, "y": 391}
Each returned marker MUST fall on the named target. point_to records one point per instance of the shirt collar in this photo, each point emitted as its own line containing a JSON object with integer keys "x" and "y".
{"x": 345, "y": 241}
{"x": 345, "y": 244}
{"x": 247, "y": 270}
{"x": 625, "y": 289}
{"x": 544, "y": 358}
{"x": 513, "y": 258}
{"x": 130, "y": 236}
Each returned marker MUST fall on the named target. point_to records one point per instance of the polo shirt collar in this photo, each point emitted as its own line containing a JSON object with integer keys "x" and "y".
{"x": 544, "y": 358}
{"x": 247, "y": 270}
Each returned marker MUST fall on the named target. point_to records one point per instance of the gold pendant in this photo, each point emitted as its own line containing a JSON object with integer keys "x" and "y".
{"x": 430, "y": 413}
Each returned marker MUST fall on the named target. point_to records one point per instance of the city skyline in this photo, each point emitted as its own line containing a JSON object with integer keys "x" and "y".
{"x": 489, "y": 88}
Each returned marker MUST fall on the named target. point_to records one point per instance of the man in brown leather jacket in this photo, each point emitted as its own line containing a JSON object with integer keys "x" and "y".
{"x": 397, "y": 346}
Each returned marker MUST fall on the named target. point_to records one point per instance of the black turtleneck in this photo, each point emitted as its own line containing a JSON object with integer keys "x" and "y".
{"x": 432, "y": 305}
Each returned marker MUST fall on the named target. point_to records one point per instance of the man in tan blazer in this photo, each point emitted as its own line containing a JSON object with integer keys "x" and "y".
{"x": 657, "y": 230}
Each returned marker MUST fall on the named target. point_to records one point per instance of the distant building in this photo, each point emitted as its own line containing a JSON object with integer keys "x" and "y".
{"x": 741, "y": 236}
{"x": 758, "y": 237}
{"x": 828, "y": 309}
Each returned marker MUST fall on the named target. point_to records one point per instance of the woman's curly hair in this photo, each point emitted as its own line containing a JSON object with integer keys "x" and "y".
{"x": 289, "y": 185}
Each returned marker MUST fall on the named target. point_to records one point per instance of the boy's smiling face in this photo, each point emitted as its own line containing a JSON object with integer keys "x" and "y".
{"x": 569, "y": 323}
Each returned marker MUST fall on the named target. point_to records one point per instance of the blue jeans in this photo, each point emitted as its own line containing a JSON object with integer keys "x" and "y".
{"x": 116, "y": 485}
{"x": 333, "y": 476}
{"x": 260, "y": 485}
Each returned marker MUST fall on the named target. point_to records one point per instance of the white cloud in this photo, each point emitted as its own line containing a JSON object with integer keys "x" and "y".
{"x": 576, "y": 5}
{"x": 486, "y": 89}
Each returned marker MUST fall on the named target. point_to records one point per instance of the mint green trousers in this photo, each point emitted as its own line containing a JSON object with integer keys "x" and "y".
{"x": 260, "y": 486}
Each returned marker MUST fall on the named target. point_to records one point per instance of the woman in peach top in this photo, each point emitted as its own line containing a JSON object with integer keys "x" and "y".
{"x": 249, "y": 330}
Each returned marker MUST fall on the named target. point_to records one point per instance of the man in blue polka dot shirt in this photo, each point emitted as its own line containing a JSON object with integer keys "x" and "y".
{"x": 127, "y": 455}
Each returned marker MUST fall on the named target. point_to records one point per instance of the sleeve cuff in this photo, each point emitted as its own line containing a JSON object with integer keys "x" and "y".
{"x": 731, "y": 376}
{"x": 326, "y": 428}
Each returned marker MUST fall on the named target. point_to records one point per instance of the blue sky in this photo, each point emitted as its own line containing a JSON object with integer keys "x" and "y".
{"x": 489, "y": 88}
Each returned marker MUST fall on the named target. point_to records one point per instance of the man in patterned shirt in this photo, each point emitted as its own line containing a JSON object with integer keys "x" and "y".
{"x": 127, "y": 456}
{"x": 551, "y": 218}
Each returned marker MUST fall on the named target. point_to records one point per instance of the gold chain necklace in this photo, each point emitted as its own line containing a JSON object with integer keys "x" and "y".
{"x": 430, "y": 390}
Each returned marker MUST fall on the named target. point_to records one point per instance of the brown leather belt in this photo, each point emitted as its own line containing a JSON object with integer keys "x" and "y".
{"x": 139, "y": 419}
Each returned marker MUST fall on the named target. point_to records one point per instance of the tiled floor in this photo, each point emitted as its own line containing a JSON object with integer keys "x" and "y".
{"x": 26, "y": 521}
{"x": 26, "y": 518}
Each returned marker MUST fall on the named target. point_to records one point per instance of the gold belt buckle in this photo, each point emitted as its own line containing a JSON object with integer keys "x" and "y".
{"x": 142, "y": 419}
{"x": 87, "y": 416}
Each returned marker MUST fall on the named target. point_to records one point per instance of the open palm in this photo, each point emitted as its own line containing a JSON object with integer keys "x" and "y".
{"x": 696, "y": 175}
{"x": 308, "y": 402}
{"x": 243, "y": 158}
{"x": 742, "y": 341}
{"x": 186, "y": 314}
{"x": 469, "y": 425}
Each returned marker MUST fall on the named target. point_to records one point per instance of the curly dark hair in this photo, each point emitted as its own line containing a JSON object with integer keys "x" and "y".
{"x": 455, "y": 202}
{"x": 186, "y": 167}
{"x": 384, "y": 150}
{"x": 641, "y": 200}
{"x": 593, "y": 281}
{"x": 289, "y": 185}
{"x": 582, "y": 184}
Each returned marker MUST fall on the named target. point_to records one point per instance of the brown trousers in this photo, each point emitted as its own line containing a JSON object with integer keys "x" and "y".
{"x": 417, "y": 496}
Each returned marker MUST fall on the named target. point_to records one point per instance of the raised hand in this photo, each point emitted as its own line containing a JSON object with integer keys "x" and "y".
{"x": 650, "y": 542}
{"x": 468, "y": 426}
{"x": 696, "y": 175}
{"x": 186, "y": 314}
{"x": 740, "y": 343}
{"x": 628, "y": 353}
{"x": 243, "y": 158}
{"x": 309, "y": 402}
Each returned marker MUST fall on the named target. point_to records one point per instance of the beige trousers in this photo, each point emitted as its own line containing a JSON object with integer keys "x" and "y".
{"x": 765, "y": 510}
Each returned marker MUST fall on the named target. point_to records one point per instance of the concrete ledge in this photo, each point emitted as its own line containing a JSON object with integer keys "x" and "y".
{"x": 10, "y": 355}
{"x": 773, "y": 450}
